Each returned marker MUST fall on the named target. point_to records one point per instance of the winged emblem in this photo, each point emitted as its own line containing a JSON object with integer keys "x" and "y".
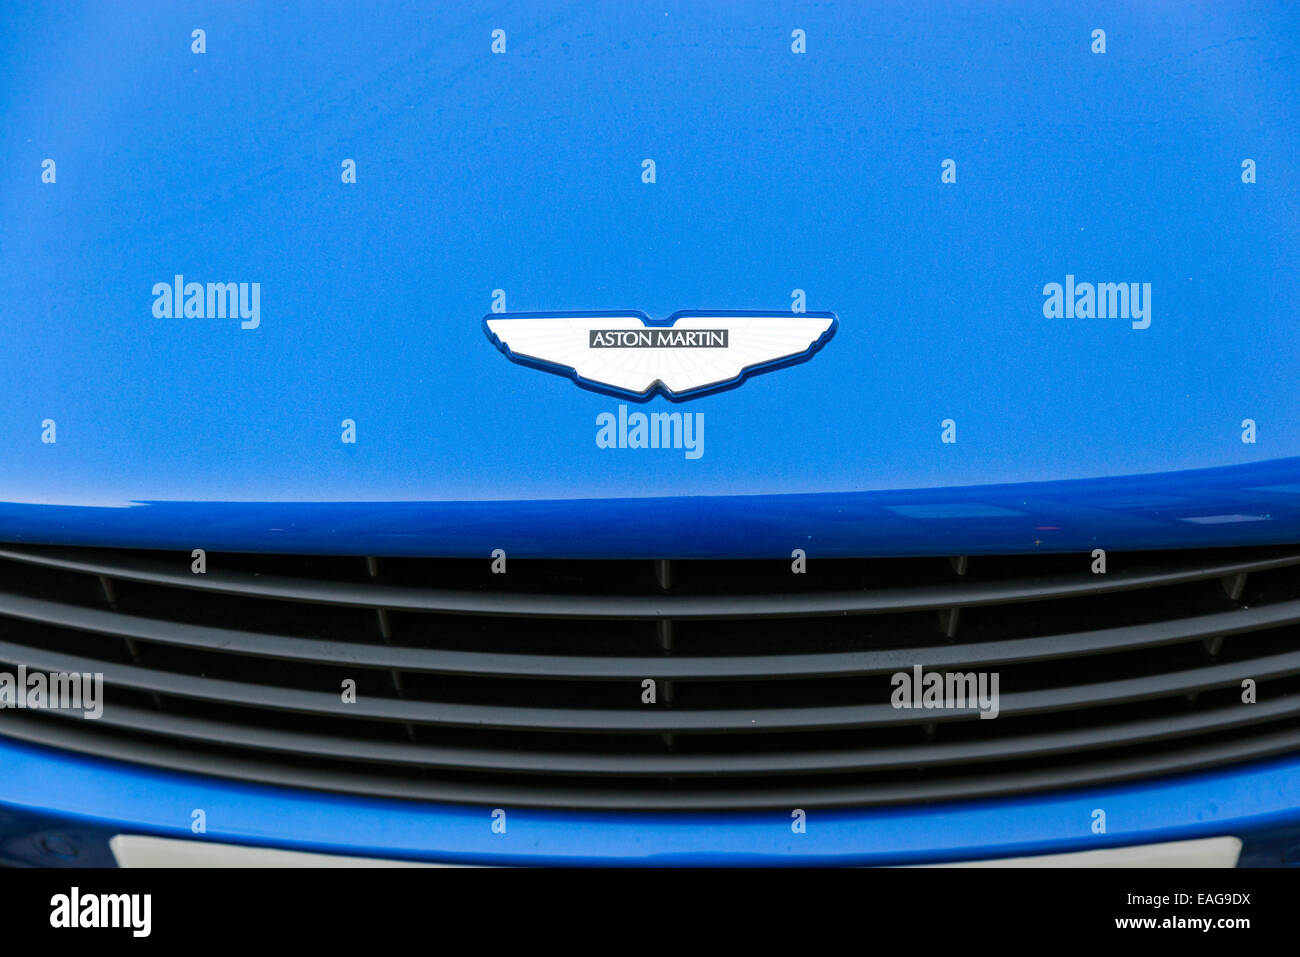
{"x": 689, "y": 353}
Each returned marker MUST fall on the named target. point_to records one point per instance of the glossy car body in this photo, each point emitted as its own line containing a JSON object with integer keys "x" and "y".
{"x": 777, "y": 174}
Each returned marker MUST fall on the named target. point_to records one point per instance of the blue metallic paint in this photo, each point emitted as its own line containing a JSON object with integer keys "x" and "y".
{"x": 1235, "y": 505}
{"x": 91, "y": 797}
{"x": 520, "y": 172}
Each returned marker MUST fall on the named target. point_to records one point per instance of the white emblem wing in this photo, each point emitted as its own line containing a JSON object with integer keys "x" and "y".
{"x": 751, "y": 341}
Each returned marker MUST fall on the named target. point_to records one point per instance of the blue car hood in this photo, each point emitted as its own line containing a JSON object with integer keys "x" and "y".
{"x": 928, "y": 176}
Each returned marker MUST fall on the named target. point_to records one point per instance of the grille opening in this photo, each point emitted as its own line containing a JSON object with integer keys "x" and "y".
{"x": 751, "y": 709}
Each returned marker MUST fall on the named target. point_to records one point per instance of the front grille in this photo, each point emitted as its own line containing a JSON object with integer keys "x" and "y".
{"x": 772, "y": 689}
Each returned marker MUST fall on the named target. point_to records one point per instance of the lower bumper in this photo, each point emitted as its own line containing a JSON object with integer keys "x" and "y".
{"x": 58, "y": 807}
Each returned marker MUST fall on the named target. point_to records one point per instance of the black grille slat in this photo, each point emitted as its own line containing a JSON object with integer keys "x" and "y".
{"x": 645, "y": 720}
{"x": 603, "y": 606}
{"x": 682, "y": 668}
{"x": 65, "y": 734}
{"x": 841, "y": 761}
{"x": 772, "y": 688}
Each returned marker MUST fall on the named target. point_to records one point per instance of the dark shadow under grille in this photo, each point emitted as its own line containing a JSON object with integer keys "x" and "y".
{"x": 772, "y": 689}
